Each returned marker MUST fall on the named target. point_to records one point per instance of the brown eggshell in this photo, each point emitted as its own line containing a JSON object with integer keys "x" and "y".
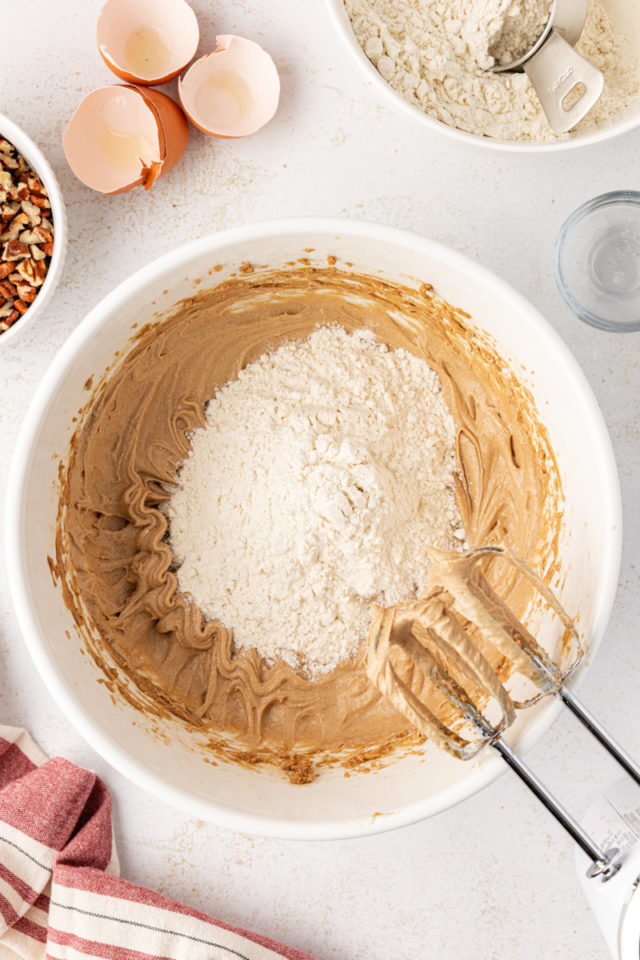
{"x": 173, "y": 124}
{"x": 121, "y": 137}
{"x": 147, "y": 41}
{"x": 231, "y": 92}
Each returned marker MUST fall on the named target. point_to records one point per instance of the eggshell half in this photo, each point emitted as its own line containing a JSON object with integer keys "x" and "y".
{"x": 232, "y": 91}
{"x": 123, "y": 137}
{"x": 147, "y": 41}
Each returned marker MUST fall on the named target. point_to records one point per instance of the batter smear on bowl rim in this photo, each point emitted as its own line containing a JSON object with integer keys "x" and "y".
{"x": 264, "y": 463}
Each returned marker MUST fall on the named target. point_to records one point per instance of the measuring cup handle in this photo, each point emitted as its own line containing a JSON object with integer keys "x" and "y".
{"x": 554, "y": 71}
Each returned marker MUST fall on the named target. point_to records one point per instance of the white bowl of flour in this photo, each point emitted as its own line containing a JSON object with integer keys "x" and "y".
{"x": 431, "y": 60}
{"x": 155, "y": 752}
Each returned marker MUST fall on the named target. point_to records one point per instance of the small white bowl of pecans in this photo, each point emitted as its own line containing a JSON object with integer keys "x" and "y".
{"x": 33, "y": 231}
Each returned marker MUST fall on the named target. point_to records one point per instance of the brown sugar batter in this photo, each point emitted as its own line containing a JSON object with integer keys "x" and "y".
{"x": 112, "y": 553}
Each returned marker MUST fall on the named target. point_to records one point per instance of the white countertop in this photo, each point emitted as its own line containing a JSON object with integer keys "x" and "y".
{"x": 493, "y": 877}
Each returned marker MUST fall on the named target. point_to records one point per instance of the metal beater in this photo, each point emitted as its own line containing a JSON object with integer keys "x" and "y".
{"x": 424, "y": 657}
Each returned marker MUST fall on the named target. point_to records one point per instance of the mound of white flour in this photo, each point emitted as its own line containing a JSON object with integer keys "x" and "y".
{"x": 438, "y": 55}
{"x": 322, "y": 473}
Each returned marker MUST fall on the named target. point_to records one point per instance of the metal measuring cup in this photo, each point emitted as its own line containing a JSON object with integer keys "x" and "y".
{"x": 555, "y": 69}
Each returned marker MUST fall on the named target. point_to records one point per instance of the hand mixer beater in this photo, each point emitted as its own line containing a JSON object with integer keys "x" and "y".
{"x": 430, "y": 658}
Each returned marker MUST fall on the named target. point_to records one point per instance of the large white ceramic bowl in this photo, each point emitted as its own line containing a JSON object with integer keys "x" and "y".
{"x": 259, "y": 801}
{"x": 625, "y": 17}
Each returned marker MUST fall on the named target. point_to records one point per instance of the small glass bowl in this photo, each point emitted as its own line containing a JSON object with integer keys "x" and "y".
{"x": 597, "y": 261}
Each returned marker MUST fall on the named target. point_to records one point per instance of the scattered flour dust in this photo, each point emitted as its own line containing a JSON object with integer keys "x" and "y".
{"x": 321, "y": 474}
{"x": 438, "y": 55}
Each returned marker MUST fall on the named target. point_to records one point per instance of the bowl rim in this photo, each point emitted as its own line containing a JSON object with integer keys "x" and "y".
{"x": 342, "y": 24}
{"x": 41, "y": 166}
{"x": 98, "y": 738}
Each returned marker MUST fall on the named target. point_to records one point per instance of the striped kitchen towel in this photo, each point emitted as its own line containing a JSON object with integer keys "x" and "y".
{"x": 60, "y": 893}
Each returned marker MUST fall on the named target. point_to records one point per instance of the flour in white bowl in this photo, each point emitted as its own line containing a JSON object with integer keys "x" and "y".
{"x": 515, "y": 26}
{"x": 322, "y": 473}
{"x": 438, "y": 54}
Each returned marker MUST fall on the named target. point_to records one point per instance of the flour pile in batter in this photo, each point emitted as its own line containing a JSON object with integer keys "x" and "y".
{"x": 114, "y": 561}
{"x": 321, "y": 475}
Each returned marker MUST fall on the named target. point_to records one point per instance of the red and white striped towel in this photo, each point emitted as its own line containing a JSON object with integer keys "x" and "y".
{"x": 60, "y": 893}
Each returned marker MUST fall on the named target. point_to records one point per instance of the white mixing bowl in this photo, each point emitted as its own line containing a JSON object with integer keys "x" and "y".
{"x": 259, "y": 801}
{"x": 625, "y": 18}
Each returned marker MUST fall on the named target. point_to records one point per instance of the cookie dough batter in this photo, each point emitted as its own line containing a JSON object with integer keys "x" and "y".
{"x": 114, "y": 561}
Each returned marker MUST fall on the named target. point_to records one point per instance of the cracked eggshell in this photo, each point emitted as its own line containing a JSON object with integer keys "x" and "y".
{"x": 123, "y": 137}
{"x": 232, "y": 91}
{"x": 147, "y": 41}
{"x": 174, "y": 126}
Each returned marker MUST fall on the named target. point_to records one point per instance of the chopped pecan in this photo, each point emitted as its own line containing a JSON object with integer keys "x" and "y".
{"x": 36, "y": 235}
{"x": 8, "y": 211}
{"x": 32, "y": 211}
{"x": 40, "y": 269}
{"x": 14, "y": 227}
{"x": 32, "y": 271}
{"x": 35, "y": 186}
{"x": 25, "y": 270}
{"x": 26, "y": 235}
{"x": 26, "y": 292}
{"x": 14, "y": 250}
{"x": 41, "y": 202}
